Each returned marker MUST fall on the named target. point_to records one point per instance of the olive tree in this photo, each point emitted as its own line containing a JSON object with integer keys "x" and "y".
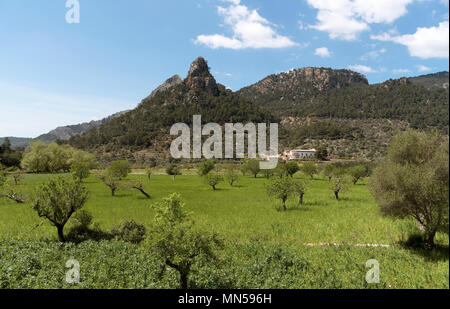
{"x": 58, "y": 199}
{"x": 138, "y": 185}
{"x": 357, "y": 172}
{"x": 213, "y": 179}
{"x": 291, "y": 168}
{"x": 206, "y": 167}
{"x": 281, "y": 188}
{"x": 232, "y": 174}
{"x": 253, "y": 167}
{"x": 120, "y": 169}
{"x": 80, "y": 170}
{"x": 413, "y": 181}
{"x": 176, "y": 241}
{"x": 300, "y": 188}
{"x": 110, "y": 180}
{"x": 149, "y": 172}
{"x": 173, "y": 170}
{"x": 329, "y": 170}
{"x": 339, "y": 183}
{"x": 309, "y": 169}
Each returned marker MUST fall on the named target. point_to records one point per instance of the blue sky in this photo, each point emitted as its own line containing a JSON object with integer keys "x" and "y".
{"x": 55, "y": 73}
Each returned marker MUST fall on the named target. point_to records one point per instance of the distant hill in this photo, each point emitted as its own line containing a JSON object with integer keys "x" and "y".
{"x": 17, "y": 142}
{"x": 430, "y": 81}
{"x": 280, "y": 92}
{"x": 66, "y": 132}
{"x": 344, "y": 94}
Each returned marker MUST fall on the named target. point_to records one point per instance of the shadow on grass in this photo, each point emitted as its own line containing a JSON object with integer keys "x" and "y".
{"x": 438, "y": 253}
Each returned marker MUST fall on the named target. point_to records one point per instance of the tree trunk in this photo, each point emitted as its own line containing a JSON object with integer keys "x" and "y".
{"x": 336, "y": 195}
{"x": 284, "y": 205}
{"x": 183, "y": 281}
{"x": 429, "y": 239}
{"x": 113, "y": 192}
{"x": 60, "y": 229}
{"x": 143, "y": 192}
{"x": 300, "y": 200}
{"x": 214, "y": 188}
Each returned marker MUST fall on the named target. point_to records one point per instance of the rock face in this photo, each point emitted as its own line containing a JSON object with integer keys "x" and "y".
{"x": 320, "y": 79}
{"x": 169, "y": 83}
{"x": 199, "y": 77}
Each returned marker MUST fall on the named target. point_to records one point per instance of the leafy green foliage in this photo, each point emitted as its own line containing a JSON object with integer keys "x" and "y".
{"x": 129, "y": 231}
{"x": 173, "y": 170}
{"x": 357, "y": 172}
{"x": 291, "y": 168}
{"x": 120, "y": 169}
{"x": 206, "y": 167}
{"x": 232, "y": 174}
{"x": 80, "y": 170}
{"x": 8, "y": 156}
{"x": 309, "y": 169}
{"x": 213, "y": 179}
{"x": 252, "y": 166}
{"x": 53, "y": 158}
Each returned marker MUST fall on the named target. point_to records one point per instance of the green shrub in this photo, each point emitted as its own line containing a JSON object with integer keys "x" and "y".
{"x": 129, "y": 231}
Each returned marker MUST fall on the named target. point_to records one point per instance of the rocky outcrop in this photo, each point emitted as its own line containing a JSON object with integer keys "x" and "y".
{"x": 199, "y": 77}
{"x": 169, "y": 83}
{"x": 320, "y": 79}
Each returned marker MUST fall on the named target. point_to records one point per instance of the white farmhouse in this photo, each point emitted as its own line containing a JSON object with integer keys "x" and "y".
{"x": 301, "y": 154}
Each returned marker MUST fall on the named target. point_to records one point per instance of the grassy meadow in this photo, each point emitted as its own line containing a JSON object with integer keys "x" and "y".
{"x": 255, "y": 231}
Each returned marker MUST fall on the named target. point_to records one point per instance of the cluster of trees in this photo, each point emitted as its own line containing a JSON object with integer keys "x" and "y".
{"x": 9, "y": 157}
{"x": 54, "y": 158}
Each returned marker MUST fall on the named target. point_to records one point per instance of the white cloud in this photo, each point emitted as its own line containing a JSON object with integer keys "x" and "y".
{"x": 425, "y": 43}
{"x": 422, "y": 68}
{"x": 362, "y": 68}
{"x": 323, "y": 52}
{"x": 345, "y": 19}
{"x": 374, "y": 54}
{"x": 250, "y": 30}
{"x": 401, "y": 71}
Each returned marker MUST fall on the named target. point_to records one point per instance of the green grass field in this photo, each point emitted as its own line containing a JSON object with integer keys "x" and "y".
{"x": 245, "y": 216}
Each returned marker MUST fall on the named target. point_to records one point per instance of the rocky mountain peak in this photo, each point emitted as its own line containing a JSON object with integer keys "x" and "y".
{"x": 170, "y": 82}
{"x": 198, "y": 68}
{"x": 199, "y": 77}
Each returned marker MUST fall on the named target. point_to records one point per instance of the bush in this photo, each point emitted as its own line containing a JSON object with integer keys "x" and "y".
{"x": 129, "y": 231}
{"x": 206, "y": 167}
{"x": 84, "y": 229}
{"x": 120, "y": 169}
